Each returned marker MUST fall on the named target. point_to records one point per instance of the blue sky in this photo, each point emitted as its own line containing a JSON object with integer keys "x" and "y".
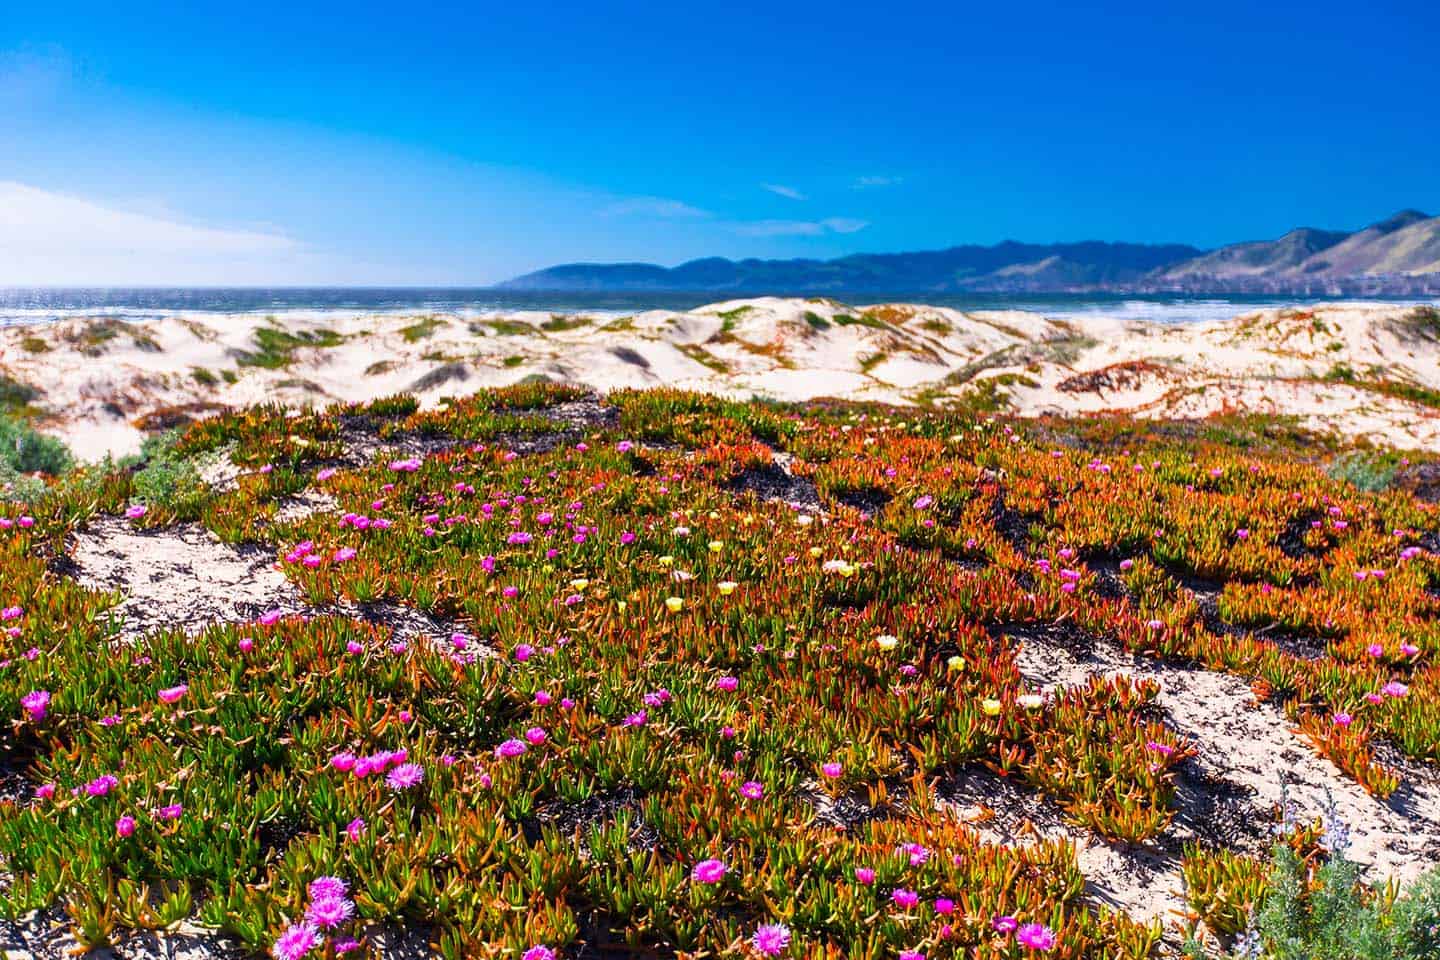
{"x": 418, "y": 144}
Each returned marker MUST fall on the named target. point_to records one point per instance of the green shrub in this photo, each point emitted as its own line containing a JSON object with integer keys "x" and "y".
{"x": 167, "y": 479}
{"x": 1331, "y": 914}
{"x": 1370, "y": 473}
{"x": 25, "y": 450}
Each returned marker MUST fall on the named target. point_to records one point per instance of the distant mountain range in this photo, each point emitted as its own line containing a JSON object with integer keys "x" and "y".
{"x": 1397, "y": 256}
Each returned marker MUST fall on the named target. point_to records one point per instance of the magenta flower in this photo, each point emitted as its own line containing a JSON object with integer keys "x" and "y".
{"x": 36, "y": 703}
{"x": 510, "y": 748}
{"x": 1343, "y": 719}
{"x": 171, "y": 694}
{"x": 864, "y": 875}
{"x": 1005, "y": 924}
{"x": 135, "y": 512}
{"x": 1036, "y": 936}
{"x": 636, "y": 719}
{"x": 770, "y": 939}
{"x": 405, "y": 776}
{"x": 708, "y": 871}
{"x": 101, "y": 785}
{"x": 1395, "y": 689}
{"x": 728, "y": 684}
{"x": 536, "y": 736}
{"x": 45, "y": 791}
{"x": 322, "y": 888}
{"x": 355, "y": 829}
{"x": 916, "y": 853}
{"x": 911, "y": 955}
{"x": 327, "y": 912}
{"x": 752, "y": 790}
{"x": 125, "y": 826}
{"x": 295, "y": 942}
{"x": 832, "y": 769}
{"x": 538, "y": 952}
{"x": 169, "y": 812}
{"x": 944, "y": 907}
{"x": 905, "y": 899}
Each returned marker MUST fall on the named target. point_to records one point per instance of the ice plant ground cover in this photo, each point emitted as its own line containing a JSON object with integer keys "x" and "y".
{"x": 711, "y": 664}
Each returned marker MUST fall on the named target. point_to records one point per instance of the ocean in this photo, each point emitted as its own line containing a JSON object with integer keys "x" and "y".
{"x": 20, "y": 305}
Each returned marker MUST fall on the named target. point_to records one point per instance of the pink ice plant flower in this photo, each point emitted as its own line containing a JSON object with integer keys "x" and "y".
{"x": 770, "y": 939}
{"x": 297, "y": 941}
{"x": 709, "y": 871}
{"x": 405, "y": 776}
{"x": 328, "y": 912}
{"x": 172, "y": 694}
{"x": 327, "y": 886}
{"x": 36, "y": 703}
{"x": 1036, "y": 936}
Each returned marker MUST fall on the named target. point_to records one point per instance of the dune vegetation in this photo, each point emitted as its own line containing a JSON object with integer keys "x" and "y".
{"x": 700, "y": 679}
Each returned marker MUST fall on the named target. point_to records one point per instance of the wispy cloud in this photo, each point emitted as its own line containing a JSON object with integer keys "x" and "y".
{"x": 653, "y": 207}
{"x": 52, "y": 238}
{"x": 864, "y": 183}
{"x": 780, "y": 190}
{"x": 800, "y": 228}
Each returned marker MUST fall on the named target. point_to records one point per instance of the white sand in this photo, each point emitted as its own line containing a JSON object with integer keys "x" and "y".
{"x": 1271, "y": 361}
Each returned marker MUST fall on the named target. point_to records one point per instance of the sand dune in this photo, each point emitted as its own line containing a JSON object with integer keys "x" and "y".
{"x": 1357, "y": 369}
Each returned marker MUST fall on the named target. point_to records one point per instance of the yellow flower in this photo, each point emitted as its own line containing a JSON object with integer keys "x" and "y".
{"x": 621, "y": 605}
{"x": 579, "y": 584}
{"x": 990, "y": 706}
{"x": 886, "y": 641}
{"x": 714, "y": 515}
{"x": 816, "y": 551}
{"x": 666, "y": 560}
{"x": 726, "y": 587}
{"x": 716, "y": 546}
{"x": 1030, "y": 701}
{"x": 955, "y": 662}
{"x": 673, "y": 604}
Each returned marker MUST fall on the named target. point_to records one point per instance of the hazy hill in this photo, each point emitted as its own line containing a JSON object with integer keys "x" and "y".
{"x": 1009, "y": 265}
{"x": 1399, "y": 255}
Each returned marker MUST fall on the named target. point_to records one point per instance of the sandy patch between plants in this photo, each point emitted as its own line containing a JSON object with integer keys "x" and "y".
{"x": 180, "y": 576}
{"x": 183, "y": 576}
{"x": 1249, "y": 762}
